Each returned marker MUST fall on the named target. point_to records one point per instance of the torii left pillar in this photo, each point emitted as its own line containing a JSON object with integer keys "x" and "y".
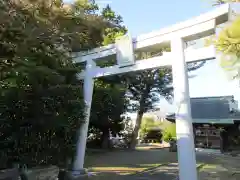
{"x": 88, "y": 86}
{"x": 184, "y": 130}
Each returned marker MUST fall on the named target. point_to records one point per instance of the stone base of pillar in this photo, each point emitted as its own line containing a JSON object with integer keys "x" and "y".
{"x": 81, "y": 174}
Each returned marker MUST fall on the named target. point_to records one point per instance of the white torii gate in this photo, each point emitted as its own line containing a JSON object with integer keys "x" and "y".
{"x": 124, "y": 48}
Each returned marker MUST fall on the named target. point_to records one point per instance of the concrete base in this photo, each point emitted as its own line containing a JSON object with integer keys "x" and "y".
{"x": 82, "y": 174}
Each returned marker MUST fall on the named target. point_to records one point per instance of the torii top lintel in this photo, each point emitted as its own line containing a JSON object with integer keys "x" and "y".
{"x": 195, "y": 28}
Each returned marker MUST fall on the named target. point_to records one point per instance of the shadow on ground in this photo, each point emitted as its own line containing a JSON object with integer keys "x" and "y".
{"x": 130, "y": 164}
{"x": 155, "y": 163}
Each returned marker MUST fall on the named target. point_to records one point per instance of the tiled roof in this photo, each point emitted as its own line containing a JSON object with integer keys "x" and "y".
{"x": 210, "y": 108}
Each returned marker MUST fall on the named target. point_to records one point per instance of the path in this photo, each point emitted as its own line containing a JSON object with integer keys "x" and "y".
{"x": 157, "y": 164}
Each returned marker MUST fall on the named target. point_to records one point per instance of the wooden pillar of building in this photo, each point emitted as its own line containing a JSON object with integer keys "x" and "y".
{"x": 223, "y": 141}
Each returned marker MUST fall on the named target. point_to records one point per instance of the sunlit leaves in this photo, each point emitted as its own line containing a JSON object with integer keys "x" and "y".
{"x": 229, "y": 39}
{"x": 219, "y": 2}
{"x": 228, "y": 45}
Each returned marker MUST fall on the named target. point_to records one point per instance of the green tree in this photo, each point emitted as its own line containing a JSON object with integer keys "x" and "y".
{"x": 144, "y": 89}
{"x": 169, "y": 132}
{"x": 227, "y": 44}
{"x": 41, "y": 99}
{"x": 109, "y": 101}
{"x": 148, "y": 124}
{"x": 107, "y": 107}
{"x": 114, "y": 31}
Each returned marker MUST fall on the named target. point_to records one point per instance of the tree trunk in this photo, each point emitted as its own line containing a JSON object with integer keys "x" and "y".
{"x": 105, "y": 139}
{"x": 136, "y": 129}
{"x": 140, "y": 113}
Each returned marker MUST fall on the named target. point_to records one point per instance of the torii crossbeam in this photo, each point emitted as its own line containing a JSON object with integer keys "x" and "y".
{"x": 174, "y": 36}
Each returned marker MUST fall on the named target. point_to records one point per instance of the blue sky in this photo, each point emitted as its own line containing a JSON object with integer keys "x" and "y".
{"x": 143, "y": 16}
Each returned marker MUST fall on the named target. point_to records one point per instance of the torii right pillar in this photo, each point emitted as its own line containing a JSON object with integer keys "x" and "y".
{"x": 184, "y": 129}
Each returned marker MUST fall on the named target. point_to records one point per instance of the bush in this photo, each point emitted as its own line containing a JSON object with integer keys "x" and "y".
{"x": 155, "y": 135}
{"x": 169, "y": 132}
{"x": 148, "y": 124}
{"x": 41, "y": 106}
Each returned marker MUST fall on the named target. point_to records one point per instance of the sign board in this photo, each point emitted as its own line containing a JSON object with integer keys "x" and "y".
{"x": 125, "y": 52}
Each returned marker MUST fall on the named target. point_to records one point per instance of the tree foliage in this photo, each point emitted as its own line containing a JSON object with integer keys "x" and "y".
{"x": 144, "y": 89}
{"x": 107, "y": 107}
{"x": 148, "y": 124}
{"x": 41, "y": 97}
{"x": 169, "y": 132}
{"x": 115, "y": 31}
{"x": 109, "y": 101}
{"x": 219, "y": 2}
{"x": 227, "y": 44}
